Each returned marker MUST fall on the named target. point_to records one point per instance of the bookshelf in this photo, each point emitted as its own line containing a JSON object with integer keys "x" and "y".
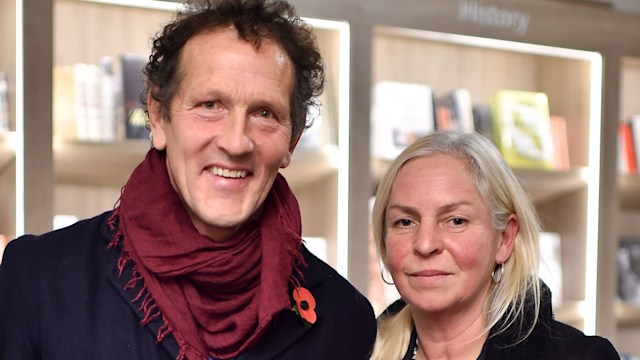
{"x": 562, "y": 197}
{"x": 8, "y": 137}
{"x": 570, "y": 78}
{"x": 88, "y": 175}
{"x": 628, "y": 314}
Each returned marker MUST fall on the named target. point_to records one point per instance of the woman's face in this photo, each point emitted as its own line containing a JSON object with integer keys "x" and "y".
{"x": 440, "y": 243}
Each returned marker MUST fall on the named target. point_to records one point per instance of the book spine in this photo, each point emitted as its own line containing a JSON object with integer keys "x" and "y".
{"x": 4, "y": 103}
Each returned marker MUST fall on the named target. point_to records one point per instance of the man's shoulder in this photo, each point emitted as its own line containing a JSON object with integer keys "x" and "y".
{"x": 54, "y": 245}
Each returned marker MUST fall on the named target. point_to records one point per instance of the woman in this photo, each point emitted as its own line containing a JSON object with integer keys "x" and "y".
{"x": 458, "y": 235}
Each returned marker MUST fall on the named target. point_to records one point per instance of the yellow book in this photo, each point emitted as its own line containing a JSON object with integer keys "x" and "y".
{"x": 523, "y": 129}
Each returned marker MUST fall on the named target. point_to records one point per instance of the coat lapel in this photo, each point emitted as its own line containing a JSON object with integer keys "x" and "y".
{"x": 285, "y": 330}
{"x": 119, "y": 282}
{"x": 288, "y": 327}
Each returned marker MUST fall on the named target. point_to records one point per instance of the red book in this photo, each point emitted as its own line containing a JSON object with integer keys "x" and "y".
{"x": 628, "y": 162}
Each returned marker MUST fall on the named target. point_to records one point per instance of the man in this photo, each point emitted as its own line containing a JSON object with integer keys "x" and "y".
{"x": 202, "y": 258}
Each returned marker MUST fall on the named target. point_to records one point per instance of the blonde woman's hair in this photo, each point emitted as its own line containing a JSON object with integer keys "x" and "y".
{"x": 497, "y": 183}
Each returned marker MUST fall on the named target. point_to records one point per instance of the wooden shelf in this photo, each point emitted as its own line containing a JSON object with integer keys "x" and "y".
{"x": 541, "y": 185}
{"x": 102, "y": 164}
{"x": 7, "y": 149}
{"x": 546, "y": 185}
{"x": 110, "y": 164}
{"x": 308, "y": 167}
{"x": 628, "y": 314}
{"x": 629, "y": 186}
{"x": 570, "y": 312}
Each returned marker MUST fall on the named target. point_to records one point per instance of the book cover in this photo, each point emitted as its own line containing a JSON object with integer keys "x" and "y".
{"x": 560, "y": 142}
{"x": 627, "y": 161}
{"x": 323, "y": 119}
{"x": 483, "y": 120}
{"x": 454, "y": 111}
{"x": 132, "y": 85}
{"x": 550, "y": 267}
{"x": 629, "y": 269}
{"x": 4, "y": 103}
{"x": 634, "y": 124}
{"x": 522, "y": 128}
{"x": 64, "y": 103}
{"x": 400, "y": 114}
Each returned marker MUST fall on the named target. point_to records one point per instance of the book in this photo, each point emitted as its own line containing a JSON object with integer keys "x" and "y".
{"x": 84, "y": 103}
{"x": 64, "y": 100}
{"x": 323, "y": 129}
{"x": 454, "y": 111}
{"x": 550, "y": 267}
{"x": 629, "y": 269}
{"x": 132, "y": 85}
{"x": 400, "y": 114}
{"x": 560, "y": 142}
{"x": 109, "y": 93}
{"x": 4, "y": 241}
{"x": 634, "y": 124}
{"x": 522, "y": 128}
{"x": 4, "y": 103}
{"x": 483, "y": 120}
{"x": 627, "y": 160}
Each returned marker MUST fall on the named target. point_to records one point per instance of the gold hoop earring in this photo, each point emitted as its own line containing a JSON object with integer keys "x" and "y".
{"x": 382, "y": 276}
{"x": 497, "y": 273}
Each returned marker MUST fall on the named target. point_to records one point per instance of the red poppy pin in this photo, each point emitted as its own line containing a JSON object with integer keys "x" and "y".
{"x": 305, "y": 305}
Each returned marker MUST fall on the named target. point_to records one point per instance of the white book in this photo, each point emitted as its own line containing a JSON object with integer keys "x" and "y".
{"x": 4, "y": 103}
{"x": 550, "y": 267}
{"x": 400, "y": 114}
{"x": 634, "y": 121}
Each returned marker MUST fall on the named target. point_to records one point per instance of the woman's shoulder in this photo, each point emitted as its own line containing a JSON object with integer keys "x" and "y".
{"x": 572, "y": 343}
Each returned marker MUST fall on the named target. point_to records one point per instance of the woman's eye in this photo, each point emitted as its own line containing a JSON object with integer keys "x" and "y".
{"x": 404, "y": 223}
{"x": 457, "y": 221}
{"x": 208, "y": 104}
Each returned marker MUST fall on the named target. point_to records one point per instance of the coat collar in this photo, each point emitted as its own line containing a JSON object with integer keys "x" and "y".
{"x": 285, "y": 330}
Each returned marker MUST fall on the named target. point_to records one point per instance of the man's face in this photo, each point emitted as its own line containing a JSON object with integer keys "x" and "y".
{"x": 229, "y": 130}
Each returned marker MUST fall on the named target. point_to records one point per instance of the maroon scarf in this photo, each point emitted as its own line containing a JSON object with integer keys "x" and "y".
{"x": 215, "y": 298}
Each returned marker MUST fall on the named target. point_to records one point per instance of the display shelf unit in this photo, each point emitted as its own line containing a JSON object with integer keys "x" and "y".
{"x": 98, "y": 170}
{"x": 543, "y": 22}
{"x": 7, "y": 184}
{"x": 571, "y": 79}
{"x": 8, "y": 138}
{"x": 628, "y": 214}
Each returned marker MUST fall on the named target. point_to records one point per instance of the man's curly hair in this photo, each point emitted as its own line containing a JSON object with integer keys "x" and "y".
{"x": 254, "y": 20}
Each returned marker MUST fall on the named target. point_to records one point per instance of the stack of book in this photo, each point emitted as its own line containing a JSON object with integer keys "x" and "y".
{"x": 94, "y": 102}
{"x": 518, "y": 122}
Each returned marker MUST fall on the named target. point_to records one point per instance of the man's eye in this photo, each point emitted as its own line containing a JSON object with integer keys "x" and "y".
{"x": 265, "y": 113}
{"x": 208, "y": 104}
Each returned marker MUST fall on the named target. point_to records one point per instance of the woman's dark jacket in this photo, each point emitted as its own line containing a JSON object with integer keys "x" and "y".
{"x": 550, "y": 340}
{"x": 61, "y": 298}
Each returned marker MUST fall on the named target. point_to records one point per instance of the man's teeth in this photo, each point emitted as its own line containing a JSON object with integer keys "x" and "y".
{"x": 229, "y": 173}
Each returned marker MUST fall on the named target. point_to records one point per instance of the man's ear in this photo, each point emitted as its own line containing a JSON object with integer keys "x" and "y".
{"x": 292, "y": 145}
{"x": 156, "y": 122}
{"x": 507, "y": 240}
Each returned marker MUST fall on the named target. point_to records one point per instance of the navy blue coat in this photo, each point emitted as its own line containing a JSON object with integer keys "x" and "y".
{"x": 61, "y": 298}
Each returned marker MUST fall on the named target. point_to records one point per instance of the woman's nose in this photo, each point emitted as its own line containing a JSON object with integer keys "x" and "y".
{"x": 428, "y": 240}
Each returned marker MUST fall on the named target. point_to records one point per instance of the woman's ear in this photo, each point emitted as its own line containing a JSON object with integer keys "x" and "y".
{"x": 507, "y": 239}
{"x": 156, "y": 122}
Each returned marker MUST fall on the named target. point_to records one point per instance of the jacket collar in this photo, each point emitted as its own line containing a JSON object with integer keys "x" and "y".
{"x": 285, "y": 330}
